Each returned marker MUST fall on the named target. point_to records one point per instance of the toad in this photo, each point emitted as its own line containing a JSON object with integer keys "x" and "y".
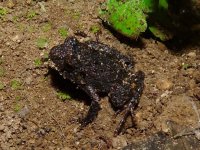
{"x": 97, "y": 68}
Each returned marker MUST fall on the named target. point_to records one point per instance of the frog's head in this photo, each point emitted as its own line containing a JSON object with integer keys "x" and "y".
{"x": 62, "y": 55}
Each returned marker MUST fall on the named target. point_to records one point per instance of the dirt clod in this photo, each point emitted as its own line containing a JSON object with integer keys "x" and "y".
{"x": 164, "y": 84}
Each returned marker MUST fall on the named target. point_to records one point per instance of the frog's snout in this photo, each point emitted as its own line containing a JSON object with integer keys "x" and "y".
{"x": 57, "y": 55}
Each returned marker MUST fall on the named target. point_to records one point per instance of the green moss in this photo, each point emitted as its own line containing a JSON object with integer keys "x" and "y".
{"x": 21, "y": 27}
{"x": 31, "y": 29}
{"x": 79, "y": 27}
{"x": 76, "y": 15}
{"x": 37, "y": 62}
{"x": 2, "y": 71}
{"x": 17, "y": 107}
{"x": 63, "y": 32}
{"x": 160, "y": 33}
{"x": 15, "y": 19}
{"x": 31, "y": 14}
{"x": 46, "y": 27}
{"x": 18, "y": 98}
{"x": 42, "y": 43}
{"x": 45, "y": 57}
{"x": 95, "y": 29}
{"x": 15, "y": 84}
{"x": 185, "y": 66}
{"x": 3, "y": 12}
{"x": 1, "y": 86}
{"x": 63, "y": 96}
{"x": 45, "y": 79}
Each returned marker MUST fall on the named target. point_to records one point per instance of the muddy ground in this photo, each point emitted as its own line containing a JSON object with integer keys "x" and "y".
{"x": 32, "y": 116}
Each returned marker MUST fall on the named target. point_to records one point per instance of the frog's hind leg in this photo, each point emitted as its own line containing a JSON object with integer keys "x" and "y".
{"x": 128, "y": 111}
{"x": 138, "y": 79}
{"x": 94, "y": 107}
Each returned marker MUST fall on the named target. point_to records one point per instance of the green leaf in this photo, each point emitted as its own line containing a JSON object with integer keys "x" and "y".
{"x": 163, "y": 4}
{"x": 130, "y": 17}
{"x": 160, "y": 33}
{"x": 148, "y": 5}
{"x": 126, "y": 17}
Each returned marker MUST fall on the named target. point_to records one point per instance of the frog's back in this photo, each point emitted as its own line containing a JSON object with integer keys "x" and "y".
{"x": 102, "y": 66}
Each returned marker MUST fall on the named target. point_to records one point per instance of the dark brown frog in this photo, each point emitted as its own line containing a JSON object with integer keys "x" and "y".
{"x": 97, "y": 68}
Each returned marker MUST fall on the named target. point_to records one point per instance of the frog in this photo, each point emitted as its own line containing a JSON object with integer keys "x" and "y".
{"x": 97, "y": 68}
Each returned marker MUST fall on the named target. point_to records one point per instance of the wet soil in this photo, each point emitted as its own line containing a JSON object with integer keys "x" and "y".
{"x": 33, "y": 117}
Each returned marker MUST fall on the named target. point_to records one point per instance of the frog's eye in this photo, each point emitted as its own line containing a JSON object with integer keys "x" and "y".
{"x": 130, "y": 63}
{"x": 126, "y": 64}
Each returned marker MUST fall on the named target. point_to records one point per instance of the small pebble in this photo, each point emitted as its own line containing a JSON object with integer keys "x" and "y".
{"x": 197, "y": 134}
{"x": 191, "y": 54}
{"x": 2, "y": 127}
{"x": 28, "y": 80}
{"x": 165, "y": 94}
{"x": 8, "y": 134}
{"x": 119, "y": 142}
{"x": 1, "y": 108}
{"x": 165, "y": 127}
{"x": 28, "y": 2}
{"x": 17, "y": 39}
{"x": 11, "y": 4}
{"x": 23, "y": 112}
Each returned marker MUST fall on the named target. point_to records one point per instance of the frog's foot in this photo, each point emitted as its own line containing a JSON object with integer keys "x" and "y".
{"x": 92, "y": 114}
{"x": 129, "y": 108}
{"x": 94, "y": 107}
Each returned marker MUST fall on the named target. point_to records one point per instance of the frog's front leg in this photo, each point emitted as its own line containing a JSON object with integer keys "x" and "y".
{"x": 137, "y": 91}
{"x": 94, "y": 107}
